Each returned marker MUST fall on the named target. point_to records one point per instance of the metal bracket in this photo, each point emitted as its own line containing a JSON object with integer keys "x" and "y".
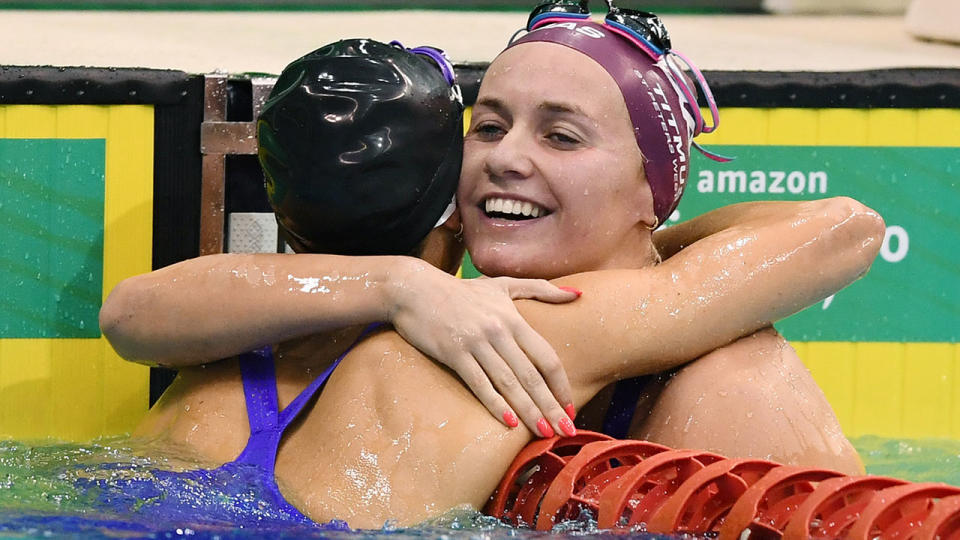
{"x": 218, "y": 139}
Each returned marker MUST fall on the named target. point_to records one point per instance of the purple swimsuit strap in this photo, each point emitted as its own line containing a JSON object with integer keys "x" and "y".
{"x": 267, "y": 422}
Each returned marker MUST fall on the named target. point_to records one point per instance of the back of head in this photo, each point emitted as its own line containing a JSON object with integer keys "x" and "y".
{"x": 361, "y": 145}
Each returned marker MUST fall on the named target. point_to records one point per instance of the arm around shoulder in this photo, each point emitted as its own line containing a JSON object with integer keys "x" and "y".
{"x": 740, "y": 270}
{"x": 212, "y": 307}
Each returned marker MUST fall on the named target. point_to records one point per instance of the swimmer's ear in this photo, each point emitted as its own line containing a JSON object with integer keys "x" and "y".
{"x": 453, "y": 223}
{"x": 444, "y": 247}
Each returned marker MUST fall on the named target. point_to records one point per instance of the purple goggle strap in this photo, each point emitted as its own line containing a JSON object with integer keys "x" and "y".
{"x": 437, "y": 56}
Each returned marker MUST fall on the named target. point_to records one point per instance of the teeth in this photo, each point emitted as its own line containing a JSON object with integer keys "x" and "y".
{"x": 510, "y": 206}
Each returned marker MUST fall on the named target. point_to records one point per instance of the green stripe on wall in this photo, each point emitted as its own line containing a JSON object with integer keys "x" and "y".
{"x": 51, "y": 237}
{"x": 910, "y": 293}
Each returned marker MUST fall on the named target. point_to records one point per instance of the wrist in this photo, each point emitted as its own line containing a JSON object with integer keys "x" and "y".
{"x": 402, "y": 277}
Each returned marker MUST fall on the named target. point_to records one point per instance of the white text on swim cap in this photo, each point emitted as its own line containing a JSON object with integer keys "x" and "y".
{"x": 674, "y": 140}
{"x": 588, "y": 31}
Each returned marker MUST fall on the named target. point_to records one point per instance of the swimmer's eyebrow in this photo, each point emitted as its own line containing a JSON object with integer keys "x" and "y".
{"x": 550, "y": 107}
{"x": 492, "y": 103}
{"x": 556, "y": 107}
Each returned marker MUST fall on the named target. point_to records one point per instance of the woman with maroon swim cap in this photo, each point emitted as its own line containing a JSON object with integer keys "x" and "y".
{"x": 557, "y": 180}
{"x": 588, "y": 132}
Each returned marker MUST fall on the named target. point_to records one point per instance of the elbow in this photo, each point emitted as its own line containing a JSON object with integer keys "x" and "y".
{"x": 112, "y": 314}
{"x": 118, "y": 316}
{"x": 859, "y": 231}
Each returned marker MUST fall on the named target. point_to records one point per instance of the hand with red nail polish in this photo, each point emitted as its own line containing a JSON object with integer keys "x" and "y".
{"x": 544, "y": 428}
{"x": 577, "y": 292}
{"x": 474, "y": 328}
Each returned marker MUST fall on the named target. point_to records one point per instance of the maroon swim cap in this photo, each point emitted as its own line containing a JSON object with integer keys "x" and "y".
{"x": 658, "y": 110}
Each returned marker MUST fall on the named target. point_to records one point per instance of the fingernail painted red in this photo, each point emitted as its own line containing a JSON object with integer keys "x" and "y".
{"x": 510, "y": 419}
{"x": 567, "y": 426}
{"x": 544, "y": 428}
{"x": 571, "y": 412}
{"x": 577, "y": 292}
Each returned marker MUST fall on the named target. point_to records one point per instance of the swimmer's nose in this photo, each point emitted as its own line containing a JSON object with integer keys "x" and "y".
{"x": 510, "y": 158}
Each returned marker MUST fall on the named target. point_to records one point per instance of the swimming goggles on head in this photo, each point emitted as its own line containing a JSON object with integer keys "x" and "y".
{"x": 557, "y": 11}
{"x": 647, "y": 32}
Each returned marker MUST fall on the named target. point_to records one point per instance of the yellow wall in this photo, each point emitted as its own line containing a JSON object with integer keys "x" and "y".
{"x": 77, "y": 389}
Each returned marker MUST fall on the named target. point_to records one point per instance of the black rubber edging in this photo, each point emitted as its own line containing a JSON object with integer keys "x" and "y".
{"x": 177, "y": 169}
{"x": 48, "y": 85}
{"x": 907, "y": 88}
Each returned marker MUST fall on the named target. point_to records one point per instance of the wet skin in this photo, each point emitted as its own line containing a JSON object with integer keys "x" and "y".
{"x": 395, "y": 436}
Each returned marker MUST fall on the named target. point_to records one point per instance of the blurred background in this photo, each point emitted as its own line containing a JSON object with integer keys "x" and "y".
{"x": 261, "y": 36}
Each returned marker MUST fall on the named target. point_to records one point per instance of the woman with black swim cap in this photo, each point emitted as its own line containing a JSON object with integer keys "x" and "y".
{"x": 361, "y": 144}
{"x": 407, "y": 440}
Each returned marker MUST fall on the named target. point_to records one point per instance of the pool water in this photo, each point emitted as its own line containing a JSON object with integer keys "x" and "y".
{"x": 51, "y": 490}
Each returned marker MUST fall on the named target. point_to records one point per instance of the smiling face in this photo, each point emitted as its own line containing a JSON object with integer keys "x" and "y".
{"x": 552, "y": 180}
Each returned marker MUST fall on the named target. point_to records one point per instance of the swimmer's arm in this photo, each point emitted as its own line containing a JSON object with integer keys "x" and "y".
{"x": 727, "y": 285}
{"x": 216, "y": 306}
{"x": 671, "y": 240}
{"x": 213, "y": 307}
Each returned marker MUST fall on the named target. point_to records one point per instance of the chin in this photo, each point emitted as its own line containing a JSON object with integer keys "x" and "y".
{"x": 497, "y": 263}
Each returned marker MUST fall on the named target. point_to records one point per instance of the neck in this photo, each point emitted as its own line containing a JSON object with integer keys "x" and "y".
{"x": 639, "y": 252}
{"x": 652, "y": 257}
{"x": 310, "y": 353}
{"x": 443, "y": 249}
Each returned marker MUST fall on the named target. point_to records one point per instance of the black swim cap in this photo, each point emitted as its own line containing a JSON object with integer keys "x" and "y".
{"x": 361, "y": 144}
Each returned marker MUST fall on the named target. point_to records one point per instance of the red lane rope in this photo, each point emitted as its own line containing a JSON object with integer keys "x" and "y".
{"x": 579, "y": 485}
{"x": 897, "y": 512}
{"x": 639, "y": 485}
{"x": 642, "y": 490}
{"x": 767, "y": 506}
{"x": 943, "y": 522}
{"x": 703, "y": 500}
